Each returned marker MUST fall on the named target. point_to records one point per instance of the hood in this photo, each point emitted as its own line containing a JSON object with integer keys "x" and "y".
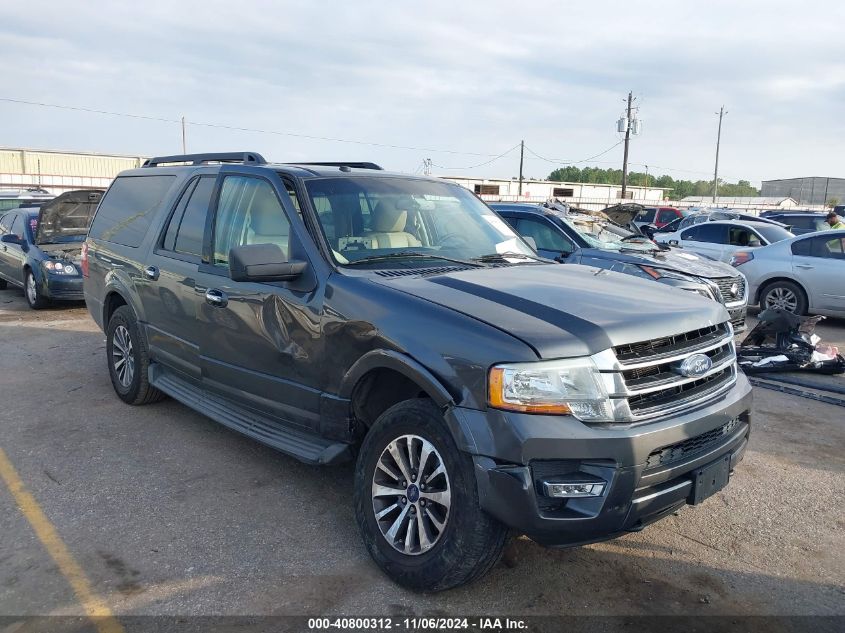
{"x": 624, "y": 214}
{"x": 673, "y": 259}
{"x": 67, "y": 216}
{"x": 565, "y": 311}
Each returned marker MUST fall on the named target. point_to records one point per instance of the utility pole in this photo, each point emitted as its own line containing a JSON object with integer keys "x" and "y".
{"x": 627, "y": 140}
{"x": 521, "y": 158}
{"x": 721, "y": 113}
{"x": 184, "y": 144}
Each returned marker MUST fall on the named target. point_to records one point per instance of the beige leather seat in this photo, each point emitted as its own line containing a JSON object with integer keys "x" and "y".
{"x": 389, "y": 227}
{"x": 268, "y": 224}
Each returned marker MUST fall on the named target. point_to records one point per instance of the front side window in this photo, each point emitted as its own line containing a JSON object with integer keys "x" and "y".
{"x": 646, "y": 215}
{"x": 545, "y": 235}
{"x": 17, "y": 226}
{"x": 249, "y": 212}
{"x": 365, "y": 216}
{"x": 739, "y": 236}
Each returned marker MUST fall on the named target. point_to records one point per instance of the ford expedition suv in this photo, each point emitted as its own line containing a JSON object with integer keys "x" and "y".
{"x": 336, "y": 312}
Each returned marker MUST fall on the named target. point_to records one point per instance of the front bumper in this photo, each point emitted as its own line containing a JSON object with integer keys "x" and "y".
{"x": 648, "y": 467}
{"x": 65, "y": 288}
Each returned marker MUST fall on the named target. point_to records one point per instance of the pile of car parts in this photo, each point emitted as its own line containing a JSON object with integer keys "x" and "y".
{"x": 783, "y": 342}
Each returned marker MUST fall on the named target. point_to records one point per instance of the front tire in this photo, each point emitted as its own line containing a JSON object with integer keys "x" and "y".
{"x": 32, "y": 292}
{"x": 129, "y": 362}
{"x": 429, "y": 534}
{"x": 785, "y": 295}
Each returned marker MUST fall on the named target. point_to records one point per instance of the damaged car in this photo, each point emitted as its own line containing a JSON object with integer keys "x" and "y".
{"x": 41, "y": 248}
{"x": 575, "y": 237}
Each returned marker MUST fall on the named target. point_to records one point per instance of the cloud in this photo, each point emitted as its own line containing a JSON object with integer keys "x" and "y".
{"x": 458, "y": 76}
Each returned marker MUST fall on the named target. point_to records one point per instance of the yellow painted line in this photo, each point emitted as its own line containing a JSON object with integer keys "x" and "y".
{"x": 94, "y": 606}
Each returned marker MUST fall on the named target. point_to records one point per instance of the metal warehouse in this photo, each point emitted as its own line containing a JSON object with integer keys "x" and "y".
{"x": 811, "y": 190}
{"x": 58, "y": 171}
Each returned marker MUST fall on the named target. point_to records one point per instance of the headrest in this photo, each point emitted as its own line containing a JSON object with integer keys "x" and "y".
{"x": 387, "y": 218}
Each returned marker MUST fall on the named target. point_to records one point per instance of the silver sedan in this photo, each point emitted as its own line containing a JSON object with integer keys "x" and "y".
{"x": 804, "y": 275}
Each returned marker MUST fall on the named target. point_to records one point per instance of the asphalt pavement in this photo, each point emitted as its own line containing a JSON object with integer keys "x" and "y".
{"x": 165, "y": 512}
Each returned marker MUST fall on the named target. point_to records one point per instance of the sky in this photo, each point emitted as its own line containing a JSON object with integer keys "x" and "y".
{"x": 459, "y": 83}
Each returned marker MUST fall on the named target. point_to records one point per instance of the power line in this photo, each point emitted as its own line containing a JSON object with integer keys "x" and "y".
{"x": 244, "y": 129}
{"x": 561, "y": 161}
{"x": 481, "y": 164}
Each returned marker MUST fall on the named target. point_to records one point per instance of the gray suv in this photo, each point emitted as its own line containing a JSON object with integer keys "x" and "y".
{"x": 335, "y": 311}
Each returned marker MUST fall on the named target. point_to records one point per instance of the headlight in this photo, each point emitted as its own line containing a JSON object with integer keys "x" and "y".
{"x": 660, "y": 273}
{"x": 60, "y": 268}
{"x": 570, "y": 386}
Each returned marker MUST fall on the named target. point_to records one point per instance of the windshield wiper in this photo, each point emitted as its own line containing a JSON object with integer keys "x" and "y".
{"x": 495, "y": 257}
{"x": 412, "y": 255}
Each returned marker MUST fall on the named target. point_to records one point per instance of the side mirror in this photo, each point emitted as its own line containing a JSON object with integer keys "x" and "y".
{"x": 673, "y": 242}
{"x": 531, "y": 241}
{"x": 10, "y": 238}
{"x": 648, "y": 230}
{"x": 262, "y": 262}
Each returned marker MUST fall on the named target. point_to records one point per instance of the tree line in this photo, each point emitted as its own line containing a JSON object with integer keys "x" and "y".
{"x": 680, "y": 188}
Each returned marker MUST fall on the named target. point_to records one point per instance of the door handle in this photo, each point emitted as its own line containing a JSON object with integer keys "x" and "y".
{"x": 804, "y": 266}
{"x": 151, "y": 273}
{"x": 216, "y": 298}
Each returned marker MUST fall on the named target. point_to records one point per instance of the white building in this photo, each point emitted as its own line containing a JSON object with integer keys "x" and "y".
{"x": 589, "y": 195}
{"x": 58, "y": 171}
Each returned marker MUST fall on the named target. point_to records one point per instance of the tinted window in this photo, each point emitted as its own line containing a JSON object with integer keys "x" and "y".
{"x": 772, "y": 233}
{"x": 17, "y": 226}
{"x": 5, "y": 223}
{"x": 248, "y": 213}
{"x": 821, "y": 246}
{"x": 646, "y": 215}
{"x": 192, "y": 227}
{"x": 126, "y": 211}
{"x": 545, "y": 235}
{"x": 169, "y": 242}
{"x": 664, "y": 216}
{"x": 740, "y": 236}
{"x": 706, "y": 232}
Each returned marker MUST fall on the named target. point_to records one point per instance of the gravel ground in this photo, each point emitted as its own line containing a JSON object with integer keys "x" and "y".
{"x": 169, "y": 513}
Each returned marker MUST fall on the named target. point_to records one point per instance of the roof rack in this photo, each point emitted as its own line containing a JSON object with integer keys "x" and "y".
{"x": 355, "y": 165}
{"x": 247, "y": 158}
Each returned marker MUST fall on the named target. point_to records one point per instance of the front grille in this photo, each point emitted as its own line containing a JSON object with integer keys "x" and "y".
{"x": 654, "y": 401}
{"x": 726, "y": 283}
{"x": 687, "y": 449}
{"x": 668, "y": 345}
{"x": 645, "y": 379}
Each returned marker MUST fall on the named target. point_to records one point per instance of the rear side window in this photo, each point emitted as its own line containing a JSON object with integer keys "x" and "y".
{"x": 128, "y": 207}
{"x": 646, "y": 215}
{"x": 187, "y": 224}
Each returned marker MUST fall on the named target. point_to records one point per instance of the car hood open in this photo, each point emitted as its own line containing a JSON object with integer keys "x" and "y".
{"x": 565, "y": 311}
{"x": 67, "y": 216}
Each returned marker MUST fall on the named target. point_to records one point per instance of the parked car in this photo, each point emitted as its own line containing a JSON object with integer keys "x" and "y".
{"x": 41, "y": 247}
{"x": 16, "y": 198}
{"x": 575, "y": 238}
{"x": 721, "y": 239}
{"x": 804, "y": 275}
{"x": 659, "y": 216}
{"x": 712, "y": 215}
{"x": 801, "y": 222}
{"x": 336, "y": 311}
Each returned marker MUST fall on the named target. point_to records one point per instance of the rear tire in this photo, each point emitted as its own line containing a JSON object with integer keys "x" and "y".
{"x": 32, "y": 292}
{"x": 128, "y": 359}
{"x": 461, "y": 542}
{"x": 786, "y": 295}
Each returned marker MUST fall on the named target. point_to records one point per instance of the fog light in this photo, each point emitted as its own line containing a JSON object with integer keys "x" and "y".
{"x": 573, "y": 489}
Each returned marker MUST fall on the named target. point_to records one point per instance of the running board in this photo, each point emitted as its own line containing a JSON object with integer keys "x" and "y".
{"x": 304, "y": 446}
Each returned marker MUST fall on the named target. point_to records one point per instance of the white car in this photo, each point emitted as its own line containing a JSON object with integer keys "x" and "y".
{"x": 804, "y": 275}
{"x": 720, "y": 240}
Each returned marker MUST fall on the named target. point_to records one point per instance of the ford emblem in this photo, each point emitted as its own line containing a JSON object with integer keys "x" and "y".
{"x": 696, "y": 365}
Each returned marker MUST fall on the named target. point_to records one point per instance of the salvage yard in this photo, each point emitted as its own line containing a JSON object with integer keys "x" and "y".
{"x": 166, "y": 512}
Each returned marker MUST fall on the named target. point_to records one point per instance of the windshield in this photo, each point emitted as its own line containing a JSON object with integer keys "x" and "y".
{"x": 608, "y": 237}
{"x": 772, "y": 233}
{"x": 368, "y": 217}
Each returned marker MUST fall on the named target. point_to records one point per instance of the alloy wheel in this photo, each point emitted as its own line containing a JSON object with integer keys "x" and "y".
{"x": 123, "y": 359}
{"x": 31, "y": 290}
{"x": 782, "y": 298}
{"x": 411, "y": 494}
